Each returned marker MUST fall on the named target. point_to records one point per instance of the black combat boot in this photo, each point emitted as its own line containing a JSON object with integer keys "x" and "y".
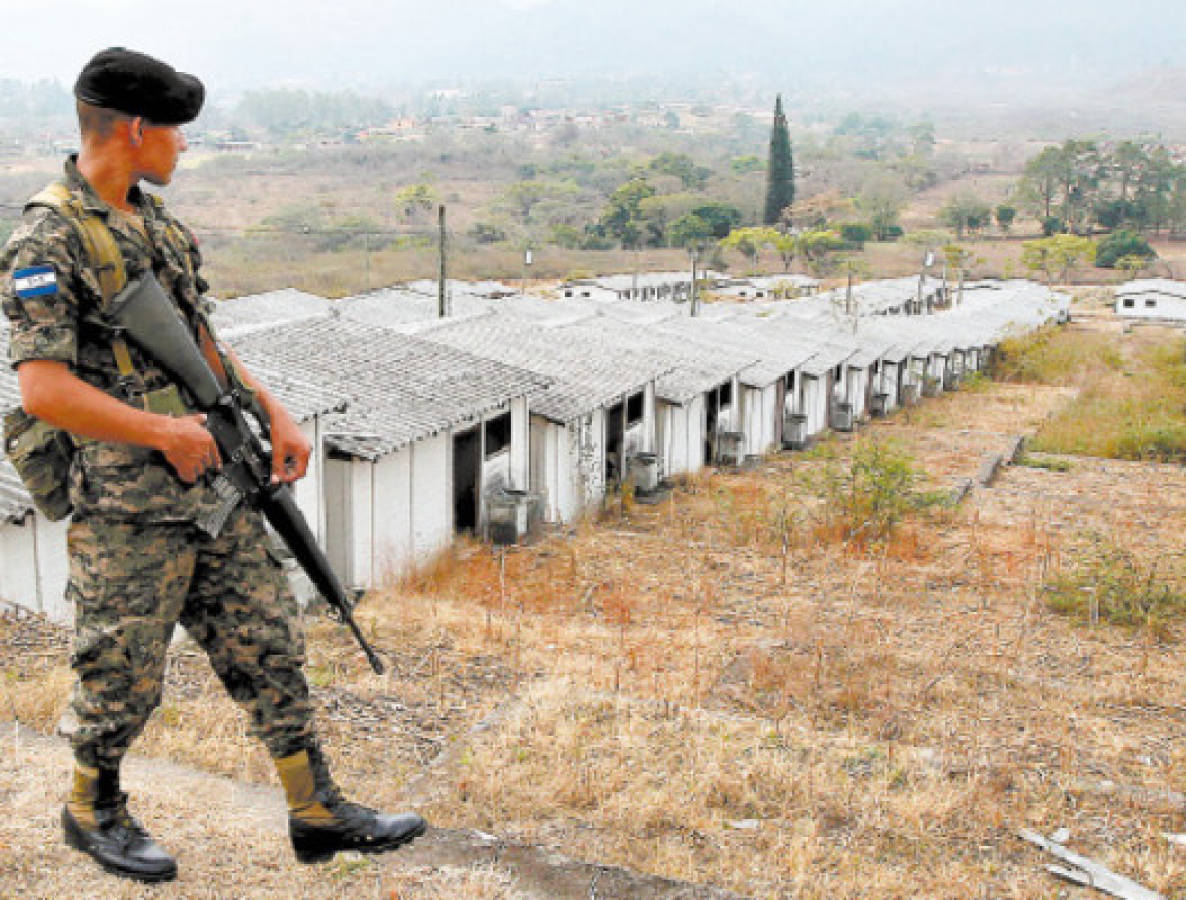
{"x": 321, "y": 822}
{"x": 96, "y": 821}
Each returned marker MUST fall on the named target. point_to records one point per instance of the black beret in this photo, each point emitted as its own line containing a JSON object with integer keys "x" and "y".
{"x": 138, "y": 85}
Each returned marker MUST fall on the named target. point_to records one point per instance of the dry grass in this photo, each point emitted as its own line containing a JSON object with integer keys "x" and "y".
{"x": 715, "y": 690}
{"x": 1131, "y": 401}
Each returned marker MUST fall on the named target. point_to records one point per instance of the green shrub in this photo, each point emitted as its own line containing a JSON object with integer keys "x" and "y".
{"x": 1120, "y": 244}
{"x": 872, "y": 492}
{"x": 1111, "y": 586}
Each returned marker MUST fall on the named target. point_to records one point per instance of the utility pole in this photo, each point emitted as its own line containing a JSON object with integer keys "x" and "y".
{"x": 366, "y": 252}
{"x": 695, "y": 295}
{"x": 442, "y": 307}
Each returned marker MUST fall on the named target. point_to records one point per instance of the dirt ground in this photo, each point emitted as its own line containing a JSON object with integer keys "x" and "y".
{"x": 712, "y": 689}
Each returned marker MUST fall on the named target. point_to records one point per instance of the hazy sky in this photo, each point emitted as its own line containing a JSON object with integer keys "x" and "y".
{"x": 351, "y": 43}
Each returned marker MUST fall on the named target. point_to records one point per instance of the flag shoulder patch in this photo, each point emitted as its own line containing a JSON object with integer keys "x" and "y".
{"x": 35, "y": 281}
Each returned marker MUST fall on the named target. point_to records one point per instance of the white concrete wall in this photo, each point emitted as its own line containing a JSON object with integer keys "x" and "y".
{"x": 391, "y": 516}
{"x": 586, "y": 449}
{"x": 682, "y": 448}
{"x": 888, "y": 384}
{"x": 432, "y": 496}
{"x": 858, "y": 383}
{"x": 815, "y": 403}
{"x": 520, "y": 458}
{"x": 309, "y": 491}
{"x": 761, "y": 413}
{"x": 34, "y": 567}
{"x": 1151, "y": 306}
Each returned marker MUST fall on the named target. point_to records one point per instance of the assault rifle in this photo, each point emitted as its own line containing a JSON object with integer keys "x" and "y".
{"x": 143, "y": 313}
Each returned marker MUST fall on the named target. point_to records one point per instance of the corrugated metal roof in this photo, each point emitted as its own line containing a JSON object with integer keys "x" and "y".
{"x": 400, "y": 389}
{"x": 263, "y": 310}
{"x": 588, "y": 372}
{"x": 1166, "y": 286}
{"x": 776, "y": 353}
{"x": 692, "y": 369}
{"x": 406, "y": 310}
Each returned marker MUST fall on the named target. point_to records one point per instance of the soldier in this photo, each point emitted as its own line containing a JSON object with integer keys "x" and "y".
{"x": 139, "y": 482}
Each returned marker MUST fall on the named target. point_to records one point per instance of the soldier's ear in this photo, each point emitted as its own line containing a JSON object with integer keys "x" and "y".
{"x": 136, "y": 130}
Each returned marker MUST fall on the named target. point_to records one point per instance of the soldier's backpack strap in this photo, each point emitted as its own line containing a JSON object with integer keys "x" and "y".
{"x": 105, "y": 258}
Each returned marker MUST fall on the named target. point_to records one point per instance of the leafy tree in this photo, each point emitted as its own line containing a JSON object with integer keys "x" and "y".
{"x": 622, "y": 217}
{"x": 750, "y": 241}
{"x": 1058, "y": 253}
{"x": 721, "y": 217}
{"x": 1005, "y": 215}
{"x": 683, "y": 167}
{"x": 780, "y": 169}
{"x": 690, "y": 230}
{"x": 415, "y": 199}
{"x": 1038, "y": 188}
{"x": 856, "y": 233}
{"x": 965, "y": 212}
{"x": 882, "y": 199}
{"x": 1119, "y": 245}
{"x": 786, "y": 246}
{"x": 1052, "y": 225}
{"x": 817, "y": 249}
{"x": 744, "y": 165}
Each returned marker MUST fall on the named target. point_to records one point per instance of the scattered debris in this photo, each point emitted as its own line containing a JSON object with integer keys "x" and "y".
{"x": 1088, "y": 872}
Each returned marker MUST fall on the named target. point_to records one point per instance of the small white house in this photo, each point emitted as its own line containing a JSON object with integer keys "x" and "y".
{"x": 427, "y": 436}
{"x": 693, "y": 398}
{"x": 597, "y": 412}
{"x": 1152, "y": 298}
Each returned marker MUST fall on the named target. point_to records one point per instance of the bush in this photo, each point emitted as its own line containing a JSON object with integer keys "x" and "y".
{"x": 1110, "y": 585}
{"x": 1052, "y": 225}
{"x": 856, "y": 233}
{"x": 866, "y": 497}
{"x": 1116, "y": 246}
{"x": 487, "y": 233}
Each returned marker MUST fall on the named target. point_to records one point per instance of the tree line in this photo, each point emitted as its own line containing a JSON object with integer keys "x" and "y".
{"x": 1085, "y": 185}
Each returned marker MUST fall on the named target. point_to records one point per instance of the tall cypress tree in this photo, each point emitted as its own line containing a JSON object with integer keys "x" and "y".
{"x": 780, "y": 169}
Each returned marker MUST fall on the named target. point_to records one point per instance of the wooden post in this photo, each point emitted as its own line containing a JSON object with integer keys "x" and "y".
{"x": 442, "y": 305}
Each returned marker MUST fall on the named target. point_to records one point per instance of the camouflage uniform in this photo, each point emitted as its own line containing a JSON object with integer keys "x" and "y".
{"x": 138, "y": 565}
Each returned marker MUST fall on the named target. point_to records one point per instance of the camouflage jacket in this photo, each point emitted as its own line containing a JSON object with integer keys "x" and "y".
{"x": 57, "y": 321}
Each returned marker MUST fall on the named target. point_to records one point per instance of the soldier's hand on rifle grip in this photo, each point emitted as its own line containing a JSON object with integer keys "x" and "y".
{"x": 290, "y": 450}
{"x": 189, "y": 448}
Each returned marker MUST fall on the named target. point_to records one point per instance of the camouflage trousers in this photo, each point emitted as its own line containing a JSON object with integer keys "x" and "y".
{"x": 132, "y": 583}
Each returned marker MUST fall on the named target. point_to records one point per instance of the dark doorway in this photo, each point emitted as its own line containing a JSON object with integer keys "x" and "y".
{"x": 467, "y": 468}
{"x": 614, "y": 435}
{"x": 710, "y": 426}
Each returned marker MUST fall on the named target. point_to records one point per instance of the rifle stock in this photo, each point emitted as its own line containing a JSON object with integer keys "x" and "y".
{"x": 144, "y": 313}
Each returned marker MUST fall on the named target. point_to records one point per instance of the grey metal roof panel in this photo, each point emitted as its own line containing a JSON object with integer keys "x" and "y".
{"x": 266, "y": 309}
{"x": 773, "y": 345}
{"x": 399, "y": 389}
{"x": 587, "y": 373}
{"x": 693, "y": 368}
{"x": 399, "y": 308}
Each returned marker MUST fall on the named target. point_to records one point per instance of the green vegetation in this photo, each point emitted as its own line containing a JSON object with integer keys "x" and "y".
{"x": 1131, "y": 402}
{"x": 1117, "y": 248}
{"x": 1049, "y": 463}
{"x": 780, "y": 169}
{"x": 1054, "y": 356}
{"x": 866, "y": 496}
{"x": 1110, "y": 585}
{"x": 1082, "y": 184}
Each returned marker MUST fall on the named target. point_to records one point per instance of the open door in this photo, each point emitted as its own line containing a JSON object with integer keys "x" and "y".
{"x": 615, "y": 430}
{"x": 467, "y": 478}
